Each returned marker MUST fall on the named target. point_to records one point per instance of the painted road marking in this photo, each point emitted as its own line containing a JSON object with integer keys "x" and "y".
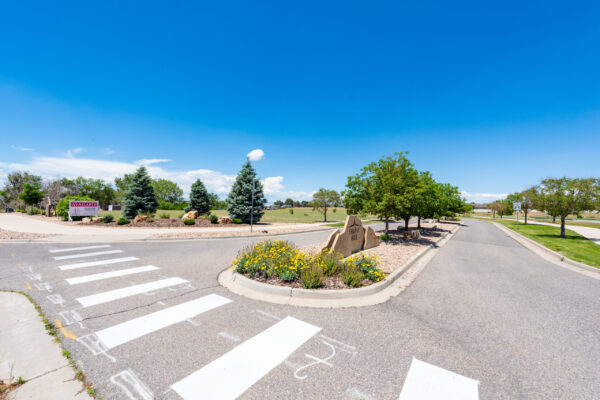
{"x": 96, "y": 263}
{"x": 65, "y": 332}
{"x": 426, "y": 381}
{"x": 97, "y": 253}
{"x": 248, "y": 362}
{"x": 111, "y": 295}
{"x": 80, "y": 248}
{"x": 132, "y": 386}
{"x": 122, "y": 333}
{"x": 111, "y": 274}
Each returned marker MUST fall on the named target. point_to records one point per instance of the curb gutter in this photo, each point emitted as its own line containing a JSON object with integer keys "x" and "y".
{"x": 325, "y": 298}
{"x": 537, "y": 248}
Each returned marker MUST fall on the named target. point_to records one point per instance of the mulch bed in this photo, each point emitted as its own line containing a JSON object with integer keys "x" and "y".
{"x": 330, "y": 282}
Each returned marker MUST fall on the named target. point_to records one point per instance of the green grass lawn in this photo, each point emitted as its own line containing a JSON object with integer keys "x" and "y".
{"x": 574, "y": 246}
{"x": 299, "y": 215}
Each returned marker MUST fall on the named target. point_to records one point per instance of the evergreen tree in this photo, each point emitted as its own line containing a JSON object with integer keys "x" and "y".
{"x": 140, "y": 197}
{"x": 199, "y": 200}
{"x": 239, "y": 201}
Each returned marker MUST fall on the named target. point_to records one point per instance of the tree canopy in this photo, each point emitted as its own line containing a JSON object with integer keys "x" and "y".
{"x": 240, "y": 198}
{"x": 140, "y": 197}
{"x": 323, "y": 199}
{"x": 199, "y": 199}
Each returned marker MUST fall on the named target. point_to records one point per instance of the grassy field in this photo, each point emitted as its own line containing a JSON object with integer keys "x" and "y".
{"x": 298, "y": 215}
{"x": 574, "y": 246}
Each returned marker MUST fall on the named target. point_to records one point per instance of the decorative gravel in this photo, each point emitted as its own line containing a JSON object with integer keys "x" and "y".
{"x": 396, "y": 252}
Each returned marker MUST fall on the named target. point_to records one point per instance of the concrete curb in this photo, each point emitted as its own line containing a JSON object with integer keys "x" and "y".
{"x": 537, "y": 248}
{"x": 324, "y": 298}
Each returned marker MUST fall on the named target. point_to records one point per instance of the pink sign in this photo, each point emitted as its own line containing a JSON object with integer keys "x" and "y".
{"x": 83, "y": 208}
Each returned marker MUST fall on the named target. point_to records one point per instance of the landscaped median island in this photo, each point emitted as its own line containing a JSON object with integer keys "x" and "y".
{"x": 278, "y": 268}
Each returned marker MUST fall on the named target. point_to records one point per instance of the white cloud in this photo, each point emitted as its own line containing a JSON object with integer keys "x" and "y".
{"x": 21, "y": 148}
{"x": 483, "y": 197}
{"x": 273, "y": 189}
{"x": 150, "y": 161}
{"x": 272, "y": 184}
{"x": 256, "y": 155}
{"x": 107, "y": 151}
{"x": 71, "y": 153}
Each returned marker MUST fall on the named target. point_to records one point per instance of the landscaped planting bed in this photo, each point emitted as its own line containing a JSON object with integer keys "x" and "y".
{"x": 279, "y": 262}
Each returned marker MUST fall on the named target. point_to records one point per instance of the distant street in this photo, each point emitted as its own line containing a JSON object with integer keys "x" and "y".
{"x": 484, "y": 308}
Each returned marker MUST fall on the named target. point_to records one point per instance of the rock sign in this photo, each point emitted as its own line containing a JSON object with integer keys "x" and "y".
{"x": 354, "y": 237}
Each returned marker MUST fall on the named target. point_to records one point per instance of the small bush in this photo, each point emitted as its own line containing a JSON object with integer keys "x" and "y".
{"x": 385, "y": 237}
{"x": 150, "y": 220}
{"x": 62, "y": 207}
{"x": 352, "y": 276}
{"x": 366, "y": 265}
{"x": 331, "y": 262}
{"x": 123, "y": 221}
{"x": 334, "y": 210}
{"x": 305, "y": 214}
{"x": 312, "y": 277}
{"x": 213, "y": 219}
{"x": 189, "y": 222}
{"x": 164, "y": 215}
{"x": 292, "y": 211}
{"x": 272, "y": 257}
{"x": 108, "y": 218}
{"x": 236, "y": 220}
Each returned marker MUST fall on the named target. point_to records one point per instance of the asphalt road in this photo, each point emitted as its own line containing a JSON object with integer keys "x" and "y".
{"x": 484, "y": 307}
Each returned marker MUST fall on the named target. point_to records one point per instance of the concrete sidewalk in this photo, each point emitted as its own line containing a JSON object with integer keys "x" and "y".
{"x": 78, "y": 233}
{"x": 27, "y": 351}
{"x": 591, "y": 233}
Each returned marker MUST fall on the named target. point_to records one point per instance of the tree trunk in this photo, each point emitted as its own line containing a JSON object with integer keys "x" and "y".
{"x": 325, "y": 214}
{"x": 387, "y": 225}
{"x": 525, "y": 212}
{"x": 554, "y": 219}
{"x": 562, "y": 226}
{"x": 419, "y": 222}
{"x": 406, "y": 223}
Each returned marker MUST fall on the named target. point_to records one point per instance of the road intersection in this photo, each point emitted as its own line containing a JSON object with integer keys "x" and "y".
{"x": 149, "y": 320}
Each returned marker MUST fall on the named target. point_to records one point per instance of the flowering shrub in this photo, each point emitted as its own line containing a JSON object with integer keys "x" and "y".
{"x": 367, "y": 265}
{"x": 282, "y": 259}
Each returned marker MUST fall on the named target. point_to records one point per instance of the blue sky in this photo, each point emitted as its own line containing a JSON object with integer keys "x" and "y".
{"x": 488, "y": 96}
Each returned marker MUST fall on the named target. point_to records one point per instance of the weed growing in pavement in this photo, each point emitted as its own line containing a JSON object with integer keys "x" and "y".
{"x": 20, "y": 380}
{"x": 51, "y": 330}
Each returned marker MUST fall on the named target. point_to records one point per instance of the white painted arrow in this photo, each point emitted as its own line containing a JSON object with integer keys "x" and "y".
{"x": 428, "y": 382}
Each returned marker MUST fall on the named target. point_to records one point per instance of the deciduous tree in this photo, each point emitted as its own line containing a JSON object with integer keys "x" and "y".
{"x": 32, "y": 195}
{"x": 323, "y": 199}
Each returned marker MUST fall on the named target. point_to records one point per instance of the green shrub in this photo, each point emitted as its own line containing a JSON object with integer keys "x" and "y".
{"x": 331, "y": 263}
{"x": 189, "y": 222}
{"x": 292, "y": 211}
{"x": 62, "y": 207}
{"x": 214, "y": 219}
{"x": 366, "y": 265}
{"x": 164, "y": 215}
{"x": 272, "y": 257}
{"x": 312, "y": 277}
{"x": 352, "y": 276}
{"x": 165, "y": 205}
{"x": 123, "y": 221}
{"x": 385, "y": 237}
{"x": 305, "y": 214}
{"x": 108, "y": 218}
{"x": 236, "y": 220}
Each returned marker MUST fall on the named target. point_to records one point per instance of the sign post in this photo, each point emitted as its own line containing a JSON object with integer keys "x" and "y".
{"x": 517, "y": 208}
{"x": 83, "y": 209}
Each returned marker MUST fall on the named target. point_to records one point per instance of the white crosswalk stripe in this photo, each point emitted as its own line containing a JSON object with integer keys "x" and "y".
{"x": 230, "y": 375}
{"x": 97, "y": 263}
{"x": 97, "y": 253}
{"x": 137, "y": 327}
{"x": 100, "y": 246}
{"x": 426, "y": 381}
{"x": 111, "y": 274}
{"x": 116, "y": 294}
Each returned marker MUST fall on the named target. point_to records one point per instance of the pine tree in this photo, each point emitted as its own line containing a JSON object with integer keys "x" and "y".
{"x": 239, "y": 201}
{"x": 140, "y": 197}
{"x": 199, "y": 200}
